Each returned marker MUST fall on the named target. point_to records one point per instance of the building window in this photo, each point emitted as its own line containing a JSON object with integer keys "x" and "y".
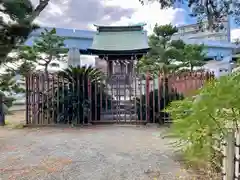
{"x": 223, "y": 70}
{"x": 55, "y": 65}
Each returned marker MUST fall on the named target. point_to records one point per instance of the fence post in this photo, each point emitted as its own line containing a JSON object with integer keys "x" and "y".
{"x": 147, "y": 98}
{"x": 230, "y": 154}
{"x": 2, "y": 115}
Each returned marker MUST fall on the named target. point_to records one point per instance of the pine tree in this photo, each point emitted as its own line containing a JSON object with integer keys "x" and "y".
{"x": 163, "y": 51}
{"x": 16, "y": 23}
{"x": 47, "y": 47}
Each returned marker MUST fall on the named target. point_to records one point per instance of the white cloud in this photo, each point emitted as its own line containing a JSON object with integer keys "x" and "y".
{"x": 235, "y": 34}
{"x": 55, "y": 9}
{"x": 150, "y": 14}
{"x": 83, "y": 14}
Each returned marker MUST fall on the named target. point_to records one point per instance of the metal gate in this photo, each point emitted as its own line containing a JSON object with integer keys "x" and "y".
{"x": 120, "y": 98}
{"x": 123, "y": 89}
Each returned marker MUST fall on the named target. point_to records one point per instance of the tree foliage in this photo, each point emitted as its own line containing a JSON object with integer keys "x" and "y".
{"x": 16, "y": 23}
{"x": 163, "y": 51}
{"x": 193, "y": 56}
{"x": 20, "y": 15}
{"x": 44, "y": 49}
{"x": 77, "y": 93}
{"x": 167, "y": 55}
{"x": 211, "y": 10}
{"x": 198, "y": 121}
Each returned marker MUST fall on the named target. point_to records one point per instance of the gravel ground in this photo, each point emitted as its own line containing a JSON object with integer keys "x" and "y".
{"x": 94, "y": 153}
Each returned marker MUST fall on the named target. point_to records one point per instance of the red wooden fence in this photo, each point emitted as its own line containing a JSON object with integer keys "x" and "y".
{"x": 47, "y": 104}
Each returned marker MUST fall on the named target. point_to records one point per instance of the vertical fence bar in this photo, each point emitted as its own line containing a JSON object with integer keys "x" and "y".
{"x": 224, "y": 159}
{"x": 159, "y": 96}
{"x": 38, "y": 98}
{"x": 42, "y": 81}
{"x": 78, "y": 90}
{"x": 203, "y": 78}
{"x": 230, "y": 155}
{"x": 106, "y": 85}
{"x": 52, "y": 99}
{"x": 101, "y": 99}
{"x": 90, "y": 101}
{"x": 47, "y": 97}
{"x": 63, "y": 99}
{"x": 32, "y": 99}
{"x": 105, "y": 99}
{"x": 27, "y": 98}
{"x": 153, "y": 99}
{"x": 118, "y": 99}
{"x": 35, "y": 99}
{"x": 237, "y": 154}
{"x": 165, "y": 94}
{"x": 190, "y": 82}
{"x": 69, "y": 89}
{"x": 140, "y": 100}
{"x": 83, "y": 99}
{"x": 135, "y": 95}
{"x": 2, "y": 114}
{"x": 72, "y": 113}
{"x": 125, "y": 87}
{"x": 58, "y": 98}
{"x": 112, "y": 99}
{"x": 96, "y": 99}
{"x": 147, "y": 98}
{"x": 195, "y": 79}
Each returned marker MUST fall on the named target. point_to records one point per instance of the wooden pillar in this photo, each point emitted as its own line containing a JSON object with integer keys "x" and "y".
{"x": 110, "y": 68}
{"x": 2, "y": 115}
{"x": 230, "y": 154}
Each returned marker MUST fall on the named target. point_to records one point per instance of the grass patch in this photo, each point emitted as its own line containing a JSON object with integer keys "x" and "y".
{"x": 14, "y": 125}
{"x": 202, "y": 169}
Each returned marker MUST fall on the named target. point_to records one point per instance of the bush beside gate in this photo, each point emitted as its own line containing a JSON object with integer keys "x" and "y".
{"x": 70, "y": 96}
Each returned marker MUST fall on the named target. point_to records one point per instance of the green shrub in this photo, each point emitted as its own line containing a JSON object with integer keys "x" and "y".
{"x": 198, "y": 121}
{"x": 71, "y": 101}
{"x": 154, "y": 107}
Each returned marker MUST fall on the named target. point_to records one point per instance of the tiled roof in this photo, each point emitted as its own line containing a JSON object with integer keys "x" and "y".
{"x": 120, "y": 39}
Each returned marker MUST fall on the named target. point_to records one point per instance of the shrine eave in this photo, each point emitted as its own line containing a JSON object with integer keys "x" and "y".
{"x": 118, "y": 52}
{"x": 133, "y": 25}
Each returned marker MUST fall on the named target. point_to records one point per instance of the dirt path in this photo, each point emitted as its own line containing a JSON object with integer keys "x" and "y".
{"x": 95, "y": 153}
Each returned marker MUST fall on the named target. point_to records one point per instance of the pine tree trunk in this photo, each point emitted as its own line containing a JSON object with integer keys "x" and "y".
{"x": 42, "y": 4}
{"x": 191, "y": 67}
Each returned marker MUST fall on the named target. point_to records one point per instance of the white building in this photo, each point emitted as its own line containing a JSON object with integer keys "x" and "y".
{"x": 219, "y": 49}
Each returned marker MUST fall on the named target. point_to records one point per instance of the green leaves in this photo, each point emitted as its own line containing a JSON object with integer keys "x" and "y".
{"x": 211, "y": 10}
{"x": 165, "y": 54}
{"x": 198, "y": 120}
{"x": 45, "y": 48}
{"x": 17, "y": 9}
{"x": 162, "y": 51}
{"x": 164, "y": 31}
{"x": 15, "y": 32}
{"x": 84, "y": 73}
{"x": 168, "y": 55}
{"x": 193, "y": 56}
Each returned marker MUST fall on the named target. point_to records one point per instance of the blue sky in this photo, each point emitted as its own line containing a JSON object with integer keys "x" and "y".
{"x": 82, "y": 14}
{"x": 190, "y": 20}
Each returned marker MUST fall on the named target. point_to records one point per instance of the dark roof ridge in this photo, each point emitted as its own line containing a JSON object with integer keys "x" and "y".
{"x": 118, "y": 26}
